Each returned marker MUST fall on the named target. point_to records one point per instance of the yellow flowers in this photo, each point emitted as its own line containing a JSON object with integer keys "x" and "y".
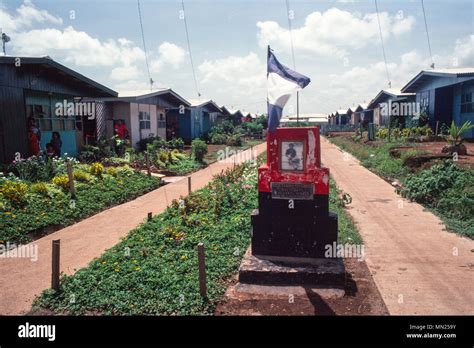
{"x": 14, "y": 191}
{"x": 184, "y": 257}
{"x": 97, "y": 169}
{"x": 137, "y": 268}
{"x": 61, "y": 181}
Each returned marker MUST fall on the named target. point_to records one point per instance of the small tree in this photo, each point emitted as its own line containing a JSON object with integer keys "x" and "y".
{"x": 199, "y": 149}
{"x": 454, "y": 138}
{"x": 455, "y": 132}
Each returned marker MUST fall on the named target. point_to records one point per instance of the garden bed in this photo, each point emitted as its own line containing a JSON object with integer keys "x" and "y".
{"x": 154, "y": 270}
{"x": 30, "y": 209}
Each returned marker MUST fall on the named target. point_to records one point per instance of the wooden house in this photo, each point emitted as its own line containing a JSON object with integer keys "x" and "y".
{"x": 445, "y": 95}
{"x": 49, "y": 93}
{"x": 195, "y": 120}
{"x": 144, "y": 114}
{"x": 387, "y": 97}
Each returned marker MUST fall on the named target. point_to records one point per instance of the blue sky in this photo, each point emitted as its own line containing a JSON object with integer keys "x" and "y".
{"x": 336, "y": 43}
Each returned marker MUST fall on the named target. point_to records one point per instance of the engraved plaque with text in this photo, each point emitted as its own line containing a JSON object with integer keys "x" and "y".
{"x": 287, "y": 190}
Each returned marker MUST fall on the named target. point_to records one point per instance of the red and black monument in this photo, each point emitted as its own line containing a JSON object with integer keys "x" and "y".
{"x": 293, "y": 226}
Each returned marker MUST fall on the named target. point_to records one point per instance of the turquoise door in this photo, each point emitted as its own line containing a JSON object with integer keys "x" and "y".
{"x": 67, "y": 137}
{"x": 41, "y": 107}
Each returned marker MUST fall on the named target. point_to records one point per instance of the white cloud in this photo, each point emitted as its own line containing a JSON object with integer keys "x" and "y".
{"x": 333, "y": 32}
{"x": 76, "y": 47}
{"x": 464, "y": 52}
{"x": 239, "y": 73}
{"x": 169, "y": 54}
{"x": 239, "y": 80}
{"x": 26, "y": 15}
{"x": 364, "y": 82}
{"x": 125, "y": 73}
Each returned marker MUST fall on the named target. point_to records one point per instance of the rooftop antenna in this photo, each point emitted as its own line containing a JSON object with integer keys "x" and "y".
{"x": 5, "y": 39}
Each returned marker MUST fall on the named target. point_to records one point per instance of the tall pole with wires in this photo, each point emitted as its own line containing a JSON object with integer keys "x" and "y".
{"x": 189, "y": 50}
{"x": 427, "y": 35}
{"x": 386, "y": 65}
{"x": 289, "y": 15}
{"x": 383, "y": 46}
{"x": 144, "y": 46}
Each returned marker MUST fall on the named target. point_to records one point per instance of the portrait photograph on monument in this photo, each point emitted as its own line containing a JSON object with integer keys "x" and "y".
{"x": 260, "y": 172}
{"x": 291, "y": 155}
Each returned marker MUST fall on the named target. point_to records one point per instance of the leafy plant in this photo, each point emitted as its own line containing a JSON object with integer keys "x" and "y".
{"x": 81, "y": 176}
{"x": 39, "y": 188}
{"x": 14, "y": 191}
{"x": 199, "y": 149}
{"x": 455, "y": 132}
{"x": 61, "y": 181}
{"x": 97, "y": 169}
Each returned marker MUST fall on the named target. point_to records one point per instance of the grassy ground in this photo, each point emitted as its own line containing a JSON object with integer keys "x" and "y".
{"x": 154, "y": 269}
{"x": 445, "y": 189}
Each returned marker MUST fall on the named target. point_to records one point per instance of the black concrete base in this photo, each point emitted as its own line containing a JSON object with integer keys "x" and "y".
{"x": 296, "y": 235}
{"x": 292, "y": 271}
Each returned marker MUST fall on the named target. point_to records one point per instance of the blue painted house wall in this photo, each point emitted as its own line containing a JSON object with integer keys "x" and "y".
{"x": 194, "y": 123}
{"x": 460, "y": 118}
{"x": 440, "y": 98}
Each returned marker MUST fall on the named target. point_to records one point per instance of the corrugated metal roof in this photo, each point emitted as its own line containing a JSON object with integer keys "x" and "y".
{"x": 447, "y": 72}
{"x": 48, "y": 61}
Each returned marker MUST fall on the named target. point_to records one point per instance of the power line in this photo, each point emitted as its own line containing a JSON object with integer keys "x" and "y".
{"x": 189, "y": 49}
{"x": 291, "y": 32}
{"x": 427, "y": 35}
{"x": 144, "y": 45}
{"x": 383, "y": 47}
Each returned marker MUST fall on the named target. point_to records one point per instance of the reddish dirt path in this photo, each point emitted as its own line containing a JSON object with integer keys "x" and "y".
{"x": 22, "y": 280}
{"x": 418, "y": 267}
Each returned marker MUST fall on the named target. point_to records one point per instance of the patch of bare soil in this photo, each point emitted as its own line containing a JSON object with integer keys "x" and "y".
{"x": 362, "y": 298}
{"x": 436, "y": 147}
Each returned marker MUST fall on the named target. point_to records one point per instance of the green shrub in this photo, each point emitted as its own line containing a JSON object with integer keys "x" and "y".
{"x": 39, "y": 188}
{"x": 111, "y": 171}
{"x": 234, "y": 140}
{"x": 14, "y": 191}
{"x": 97, "y": 169}
{"x": 382, "y": 133}
{"x": 199, "y": 149}
{"x": 81, "y": 176}
{"x": 176, "y": 143}
{"x": 218, "y": 138}
{"x": 427, "y": 185}
{"x": 61, "y": 181}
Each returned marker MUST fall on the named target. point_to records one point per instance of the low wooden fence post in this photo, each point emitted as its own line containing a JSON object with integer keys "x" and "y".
{"x": 150, "y": 215}
{"x": 189, "y": 185}
{"x": 147, "y": 159}
{"x": 70, "y": 175}
{"x": 202, "y": 271}
{"x": 55, "y": 261}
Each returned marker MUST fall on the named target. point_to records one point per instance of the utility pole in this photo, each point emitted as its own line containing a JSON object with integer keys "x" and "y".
{"x": 298, "y": 108}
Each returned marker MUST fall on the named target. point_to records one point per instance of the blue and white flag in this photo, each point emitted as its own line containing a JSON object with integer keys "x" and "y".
{"x": 281, "y": 83}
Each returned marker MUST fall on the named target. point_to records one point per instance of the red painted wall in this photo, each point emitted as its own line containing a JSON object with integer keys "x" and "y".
{"x": 312, "y": 170}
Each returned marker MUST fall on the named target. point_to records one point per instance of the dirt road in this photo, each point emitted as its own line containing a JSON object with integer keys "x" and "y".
{"x": 418, "y": 267}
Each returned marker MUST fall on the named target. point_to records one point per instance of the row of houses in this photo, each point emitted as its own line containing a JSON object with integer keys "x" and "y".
{"x": 32, "y": 88}
{"x": 443, "y": 95}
